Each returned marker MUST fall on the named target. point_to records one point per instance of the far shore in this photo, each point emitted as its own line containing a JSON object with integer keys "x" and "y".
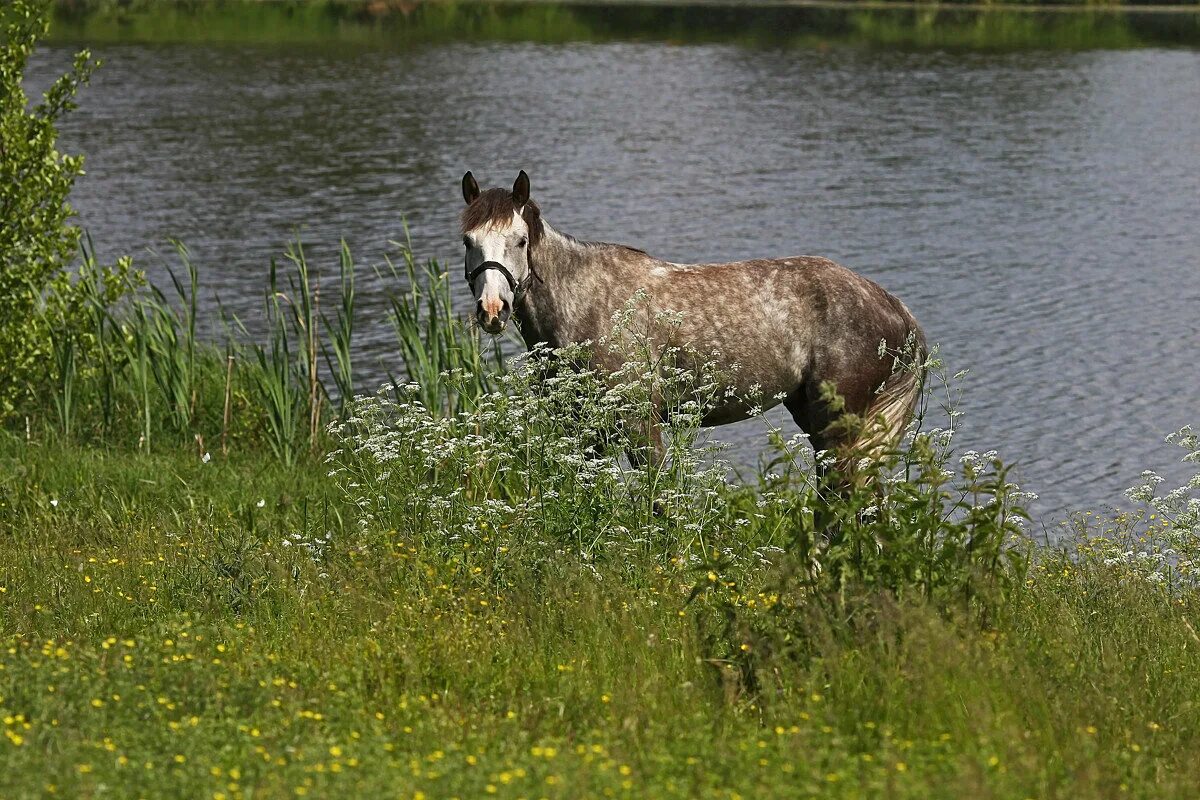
{"x": 850, "y": 5}
{"x": 385, "y": 7}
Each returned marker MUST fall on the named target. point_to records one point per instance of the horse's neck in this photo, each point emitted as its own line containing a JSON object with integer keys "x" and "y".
{"x": 551, "y": 309}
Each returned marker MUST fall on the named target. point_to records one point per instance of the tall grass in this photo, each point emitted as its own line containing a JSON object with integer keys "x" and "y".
{"x": 445, "y": 360}
{"x": 485, "y": 604}
{"x": 303, "y": 302}
{"x": 100, "y": 323}
{"x": 63, "y": 347}
{"x": 279, "y": 379}
{"x": 169, "y": 334}
{"x": 134, "y": 338}
{"x": 143, "y": 376}
{"x": 338, "y": 345}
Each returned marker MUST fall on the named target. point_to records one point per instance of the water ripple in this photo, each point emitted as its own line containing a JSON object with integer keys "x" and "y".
{"x": 1038, "y": 210}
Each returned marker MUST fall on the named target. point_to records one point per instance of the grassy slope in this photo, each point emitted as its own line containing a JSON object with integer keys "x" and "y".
{"x": 160, "y": 640}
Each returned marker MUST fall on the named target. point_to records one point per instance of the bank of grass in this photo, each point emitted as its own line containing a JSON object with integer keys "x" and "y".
{"x": 432, "y": 594}
{"x": 337, "y": 23}
{"x": 173, "y": 627}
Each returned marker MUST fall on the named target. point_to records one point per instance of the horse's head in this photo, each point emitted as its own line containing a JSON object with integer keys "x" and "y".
{"x": 501, "y": 229}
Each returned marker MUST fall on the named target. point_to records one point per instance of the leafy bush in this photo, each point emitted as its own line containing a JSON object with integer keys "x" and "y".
{"x": 915, "y": 525}
{"x": 41, "y": 310}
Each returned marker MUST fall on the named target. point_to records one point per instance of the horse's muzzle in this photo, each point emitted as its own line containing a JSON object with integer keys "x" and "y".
{"x": 493, "y": 314}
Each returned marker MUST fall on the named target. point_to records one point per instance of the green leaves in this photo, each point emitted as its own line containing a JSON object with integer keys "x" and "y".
{"x": 922, "y": 524}
{"x": 37, "y": 240}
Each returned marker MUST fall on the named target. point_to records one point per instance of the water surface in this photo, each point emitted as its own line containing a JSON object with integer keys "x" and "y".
{"x": 1037, "y": 210}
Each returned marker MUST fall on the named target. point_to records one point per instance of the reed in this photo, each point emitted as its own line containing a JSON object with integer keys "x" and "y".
{"x": 302, "y": 303}
{"x": 227, "y": 406}
{"x": 96, "y": 305}
{"x": 63, "y": 346}
{"x": 444, "y": 356}
{"x": 278, "y": 377}
{"x": 170, "y": 336}
{"x": 139, "y": 370}
{"x": 134, "y": 345}
{"x": 338, "y": 346}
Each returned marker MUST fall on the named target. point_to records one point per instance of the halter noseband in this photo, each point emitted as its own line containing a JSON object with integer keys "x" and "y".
{"x": 516, "y": 287}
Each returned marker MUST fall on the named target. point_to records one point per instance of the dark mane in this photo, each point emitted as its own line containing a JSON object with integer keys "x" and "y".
{"x": 627, "y": 247}
{"x": 497, "y": 206}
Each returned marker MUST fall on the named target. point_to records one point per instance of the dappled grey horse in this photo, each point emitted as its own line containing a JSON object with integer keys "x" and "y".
{"x": 789, "y": 325}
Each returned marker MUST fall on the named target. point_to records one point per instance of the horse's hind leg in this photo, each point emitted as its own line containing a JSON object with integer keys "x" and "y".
{"x": 875, "y": 420}
{"x": 651, "y": 451}
{"x": 817, "y": 417}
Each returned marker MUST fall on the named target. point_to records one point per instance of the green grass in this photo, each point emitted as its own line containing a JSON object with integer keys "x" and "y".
{"x": 160, "y": 639}
{"x": 453, "y": 603}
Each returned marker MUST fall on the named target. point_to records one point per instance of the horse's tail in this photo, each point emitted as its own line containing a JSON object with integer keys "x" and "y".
{"x": 889, "y": 413}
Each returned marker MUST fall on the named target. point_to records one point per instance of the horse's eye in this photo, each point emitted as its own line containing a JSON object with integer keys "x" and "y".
{"x": 523, "y": 242}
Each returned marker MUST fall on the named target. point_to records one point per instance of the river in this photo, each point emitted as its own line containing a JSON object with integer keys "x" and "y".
{"x": 1037, "y": 209}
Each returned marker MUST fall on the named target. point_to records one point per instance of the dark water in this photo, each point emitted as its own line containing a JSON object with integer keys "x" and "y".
{"x": 1038, "y": 211}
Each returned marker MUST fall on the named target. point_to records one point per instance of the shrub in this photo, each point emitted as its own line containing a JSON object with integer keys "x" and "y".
{"x": 915, "y": 525}
{"x": 41, "y": 310}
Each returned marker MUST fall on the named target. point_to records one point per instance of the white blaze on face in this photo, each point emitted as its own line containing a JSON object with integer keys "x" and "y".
{"x": 505, "y": 244}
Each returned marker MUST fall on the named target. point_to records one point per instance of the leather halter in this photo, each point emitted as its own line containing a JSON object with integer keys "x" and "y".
{"x": 516, "y": 287}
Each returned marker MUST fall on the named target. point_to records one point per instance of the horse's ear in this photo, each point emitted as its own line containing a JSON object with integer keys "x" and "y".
{"x": 521, "y": 190}
{"x": 470, "y": 188}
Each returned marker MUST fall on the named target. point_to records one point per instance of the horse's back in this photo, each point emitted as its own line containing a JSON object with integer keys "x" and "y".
{"x": 807, "y": 298}
{"x": 787, "y": 325}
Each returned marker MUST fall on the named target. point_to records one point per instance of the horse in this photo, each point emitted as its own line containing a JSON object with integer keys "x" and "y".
{"x": 795, "y": 327}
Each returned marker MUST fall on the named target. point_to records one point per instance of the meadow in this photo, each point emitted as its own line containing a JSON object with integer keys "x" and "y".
{"x": 228, "y": 569}
{"x": 432, "y": 594}
{"x": 180, "y": 628}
